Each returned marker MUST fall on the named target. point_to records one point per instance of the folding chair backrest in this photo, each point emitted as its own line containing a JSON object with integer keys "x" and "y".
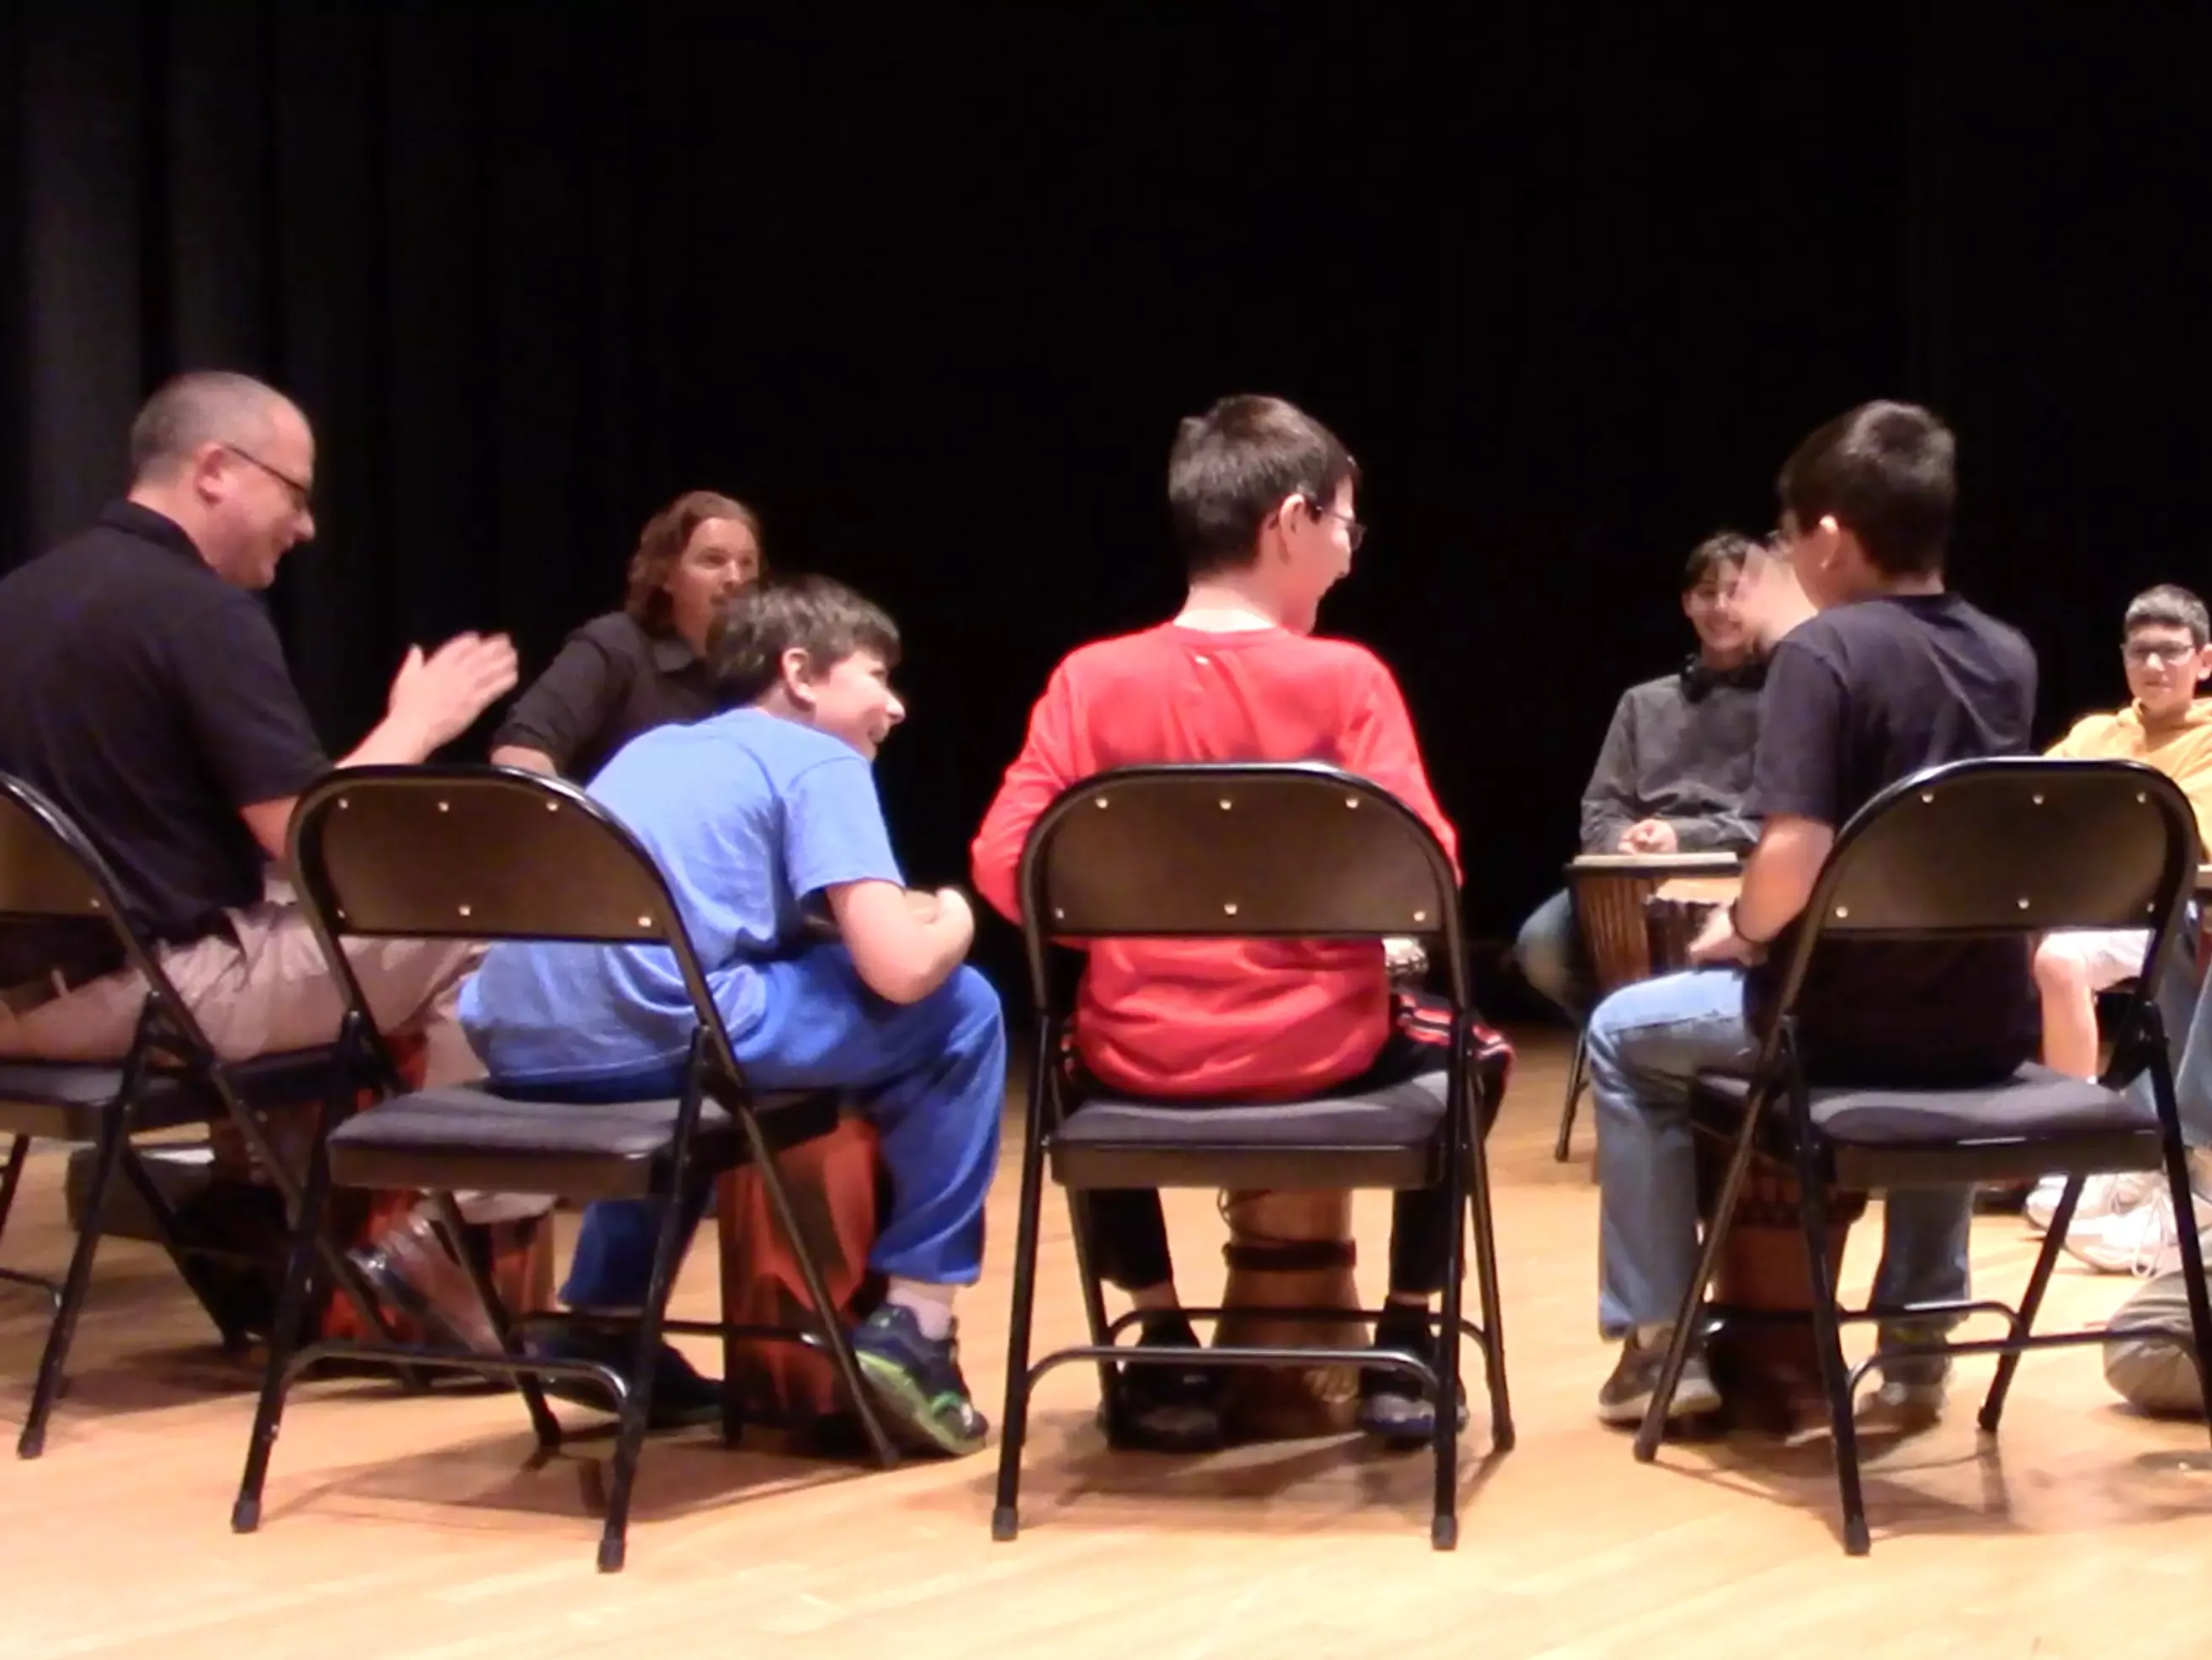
{"x": 2013, "y": 845}
{"x": 47, "y": 868}
{"x": 1289, "y": 851}
{"x": 475, "y": 854}
{"x": 54, "y": 879}
{"x": 479, "y": 852}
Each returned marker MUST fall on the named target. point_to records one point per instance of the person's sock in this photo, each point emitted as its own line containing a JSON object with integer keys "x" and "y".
{"x": 1402, "y": 1326}
{"x": 1168, "y": 1327}
{"x": 931, "y": 1306}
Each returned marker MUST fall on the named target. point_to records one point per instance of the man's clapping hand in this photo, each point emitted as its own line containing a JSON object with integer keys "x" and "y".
{"x": 437, "y": 698}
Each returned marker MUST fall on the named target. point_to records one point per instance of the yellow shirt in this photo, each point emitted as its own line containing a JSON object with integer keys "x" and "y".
{"x": 2183, "y": 753}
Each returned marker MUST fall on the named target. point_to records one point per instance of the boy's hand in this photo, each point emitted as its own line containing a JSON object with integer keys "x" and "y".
{"x": 1718, "y": 942}
{"x": 1649, "y": 836}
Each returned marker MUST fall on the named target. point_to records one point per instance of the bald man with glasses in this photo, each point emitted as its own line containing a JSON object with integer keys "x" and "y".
{"x": 143, "y": 689}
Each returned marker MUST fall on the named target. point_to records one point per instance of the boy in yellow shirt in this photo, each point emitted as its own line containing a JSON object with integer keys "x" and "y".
{"x": 2168, "y": 651}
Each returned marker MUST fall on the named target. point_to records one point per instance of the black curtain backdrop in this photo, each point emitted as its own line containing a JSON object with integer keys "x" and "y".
{"x": 932, "y": 294}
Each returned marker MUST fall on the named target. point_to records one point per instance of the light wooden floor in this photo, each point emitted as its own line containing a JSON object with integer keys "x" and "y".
{"x": 410, "y": 1526}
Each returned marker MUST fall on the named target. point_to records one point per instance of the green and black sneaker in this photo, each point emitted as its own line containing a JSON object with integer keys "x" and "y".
{"x": 917, "y": 1382}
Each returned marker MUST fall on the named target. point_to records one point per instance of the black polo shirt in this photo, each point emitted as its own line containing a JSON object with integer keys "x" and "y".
{"x": 611, "y": 682}
{"x": 150, "y": 700}
{"x": 1857, "y": 697}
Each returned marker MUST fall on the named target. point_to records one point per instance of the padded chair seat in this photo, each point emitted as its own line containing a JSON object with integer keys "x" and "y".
{"x": 63, "y": 1101}
{"x": 1384, "y": 1138}
{"x": 1879, "y": 1135}
{"x": 464, "y": 1137}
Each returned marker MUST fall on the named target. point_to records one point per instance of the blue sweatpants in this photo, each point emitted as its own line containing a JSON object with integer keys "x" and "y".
{"x": 931, "y": 1076}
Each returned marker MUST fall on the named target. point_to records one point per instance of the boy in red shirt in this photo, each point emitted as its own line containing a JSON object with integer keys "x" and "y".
{"x": 1260, "y": 495}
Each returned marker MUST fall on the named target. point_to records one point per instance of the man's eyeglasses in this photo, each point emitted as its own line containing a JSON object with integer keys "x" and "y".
{"x": 2172, "y": 652}
{"x": 302, "y": 494}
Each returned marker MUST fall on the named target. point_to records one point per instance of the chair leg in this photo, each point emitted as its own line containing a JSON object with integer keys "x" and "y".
{"x": 542, "y": 1420}
{"x": 78, "y": 1283}
{"x": 190, "y": 1267}
{"x": 283, "y": 1339}
{"x": 2038, "y": 1279}
{"x": 1094, "y": 1294}
{"x": 1687, "y": 1318}
{"x": 1486, "y": 1267}
{"x": 10, "y": 1178}
{"x": 637, "y": 1399}
{"x": 1444, "y": 1516}
{"x": 1828, "y": 1338}
{"x": 1578, "y": 1080}
{"x": 1013, "y": 1424}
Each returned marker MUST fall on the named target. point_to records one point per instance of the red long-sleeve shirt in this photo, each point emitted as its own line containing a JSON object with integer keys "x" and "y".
{"x": 1198, "y": 1020}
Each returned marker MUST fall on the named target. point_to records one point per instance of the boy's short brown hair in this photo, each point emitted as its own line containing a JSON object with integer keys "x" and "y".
{"x": 1232, "y": 467}
{"x": 824, "y": 619}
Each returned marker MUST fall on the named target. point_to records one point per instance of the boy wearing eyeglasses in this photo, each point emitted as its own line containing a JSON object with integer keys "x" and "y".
{"x": 2167, "y": 649}
{"x": 1260, "y": 495}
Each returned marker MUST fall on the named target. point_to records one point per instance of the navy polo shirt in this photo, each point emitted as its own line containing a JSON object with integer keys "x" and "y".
{"x": 149, "y": 699}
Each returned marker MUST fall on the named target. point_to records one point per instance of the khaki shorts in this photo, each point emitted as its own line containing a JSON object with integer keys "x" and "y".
{"x": 2107, "y": 956}
{"x": 262, "y": 987}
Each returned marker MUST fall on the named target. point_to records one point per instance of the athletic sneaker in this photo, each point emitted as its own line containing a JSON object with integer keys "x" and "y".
{"x": 681, "y": 1396}
{"x": 1627, "y": 1393}
{"x": 917, "y": 1382}
{"x": 1170, "y": 1409}
{"x": 1911, "y": 1396}
{"x": 1393, "y": 1408}
{"x": 2143, "y": 1242}
{"x": 2102, "y": 1196}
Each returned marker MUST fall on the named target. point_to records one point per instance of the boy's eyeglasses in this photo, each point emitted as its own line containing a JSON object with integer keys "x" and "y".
{"x": 2172, "y": 652}
{"x": 1354, "y": 531}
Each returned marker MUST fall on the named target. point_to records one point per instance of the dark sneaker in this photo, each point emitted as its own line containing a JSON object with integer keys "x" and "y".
{"x": 917, "y": 1382}
{"x": 1627, "y": 1393}
{"x": 1395, "y": 1407}
{"x": 1170, "y": 1409}
{"x": 681, "y": 1397}
{"x": 1911, "y": 1394}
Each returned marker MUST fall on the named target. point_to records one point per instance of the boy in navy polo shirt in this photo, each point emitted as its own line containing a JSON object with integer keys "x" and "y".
{"x": 756, "y": 815}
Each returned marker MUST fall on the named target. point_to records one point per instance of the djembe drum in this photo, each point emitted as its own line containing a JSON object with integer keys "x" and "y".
{"x": 1289, "y": 1250}
{"x": 1613, "y": 893}
{"x": 1769, "y": 1376}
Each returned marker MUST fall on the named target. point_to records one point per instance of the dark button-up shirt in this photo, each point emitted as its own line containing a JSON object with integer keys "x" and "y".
{"x": 611, "y": 681}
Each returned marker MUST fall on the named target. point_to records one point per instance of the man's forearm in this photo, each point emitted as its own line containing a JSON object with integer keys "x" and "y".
{"x": 397, "y": 741}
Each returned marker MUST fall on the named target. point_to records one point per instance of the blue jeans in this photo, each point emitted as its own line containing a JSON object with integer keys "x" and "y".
{"x": 931, "y": 1076}
{"x": 1552, "y": 957}
{"x": 1646, "y": 1042}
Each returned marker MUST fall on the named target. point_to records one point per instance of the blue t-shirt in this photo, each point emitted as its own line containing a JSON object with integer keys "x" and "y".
{"x": 747, "y": 815}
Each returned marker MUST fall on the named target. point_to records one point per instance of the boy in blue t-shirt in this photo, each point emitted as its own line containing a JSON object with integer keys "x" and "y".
{"x": 761, "y": 817}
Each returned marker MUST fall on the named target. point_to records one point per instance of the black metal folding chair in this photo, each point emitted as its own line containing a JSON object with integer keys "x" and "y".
{"x": 1261, "y": 851}
{"x": 495, "y": 853}
{"x": 52, "y": 875}
{"x": 1994, "y": 849}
